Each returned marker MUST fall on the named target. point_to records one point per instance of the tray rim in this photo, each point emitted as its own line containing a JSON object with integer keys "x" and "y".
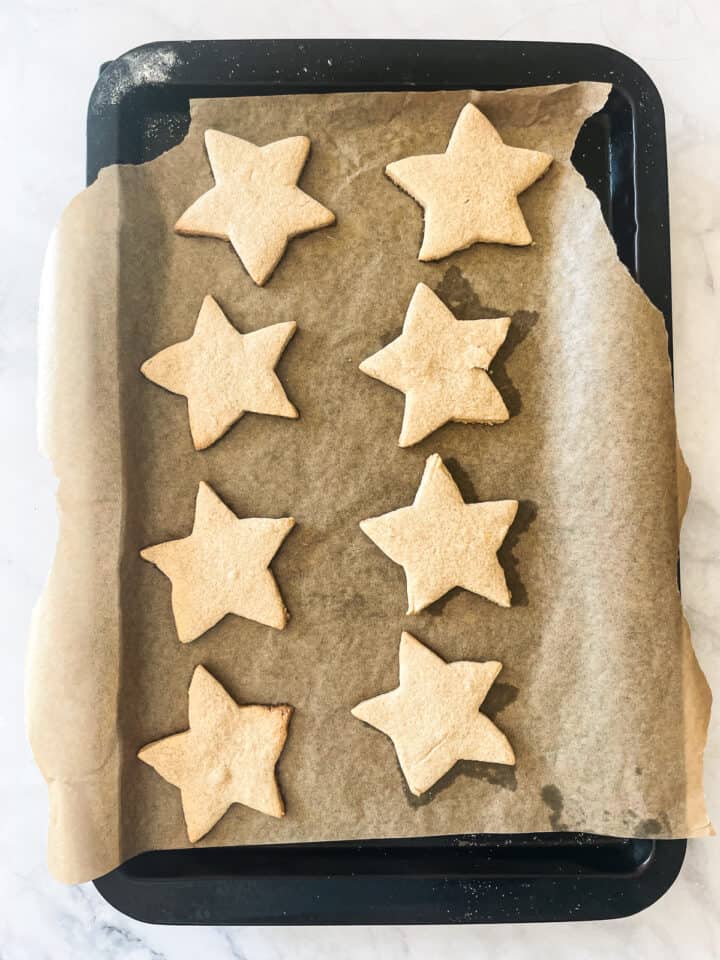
{"x": 393, "y": 899}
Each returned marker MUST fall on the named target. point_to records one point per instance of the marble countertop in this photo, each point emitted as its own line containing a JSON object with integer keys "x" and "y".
{"x": 51, "y": 53}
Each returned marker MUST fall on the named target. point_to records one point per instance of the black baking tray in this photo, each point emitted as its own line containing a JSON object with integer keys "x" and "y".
{"x": 140, "y": 108}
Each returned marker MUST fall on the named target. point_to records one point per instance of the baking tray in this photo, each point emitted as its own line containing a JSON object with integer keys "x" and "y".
{"x": 140, "y": 108}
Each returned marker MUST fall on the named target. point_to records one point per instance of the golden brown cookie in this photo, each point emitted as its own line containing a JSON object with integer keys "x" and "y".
{"x": 433, "y": 717}
{"x": 440, "y": 364}
{"x": 227, "y": 755}
{"x": 224, "y": 374}
{"x": 442, "y": 542}
{"x": 222, "y": 567}
{"x": 470, "y": 192}
{"x": 255, "y": 203}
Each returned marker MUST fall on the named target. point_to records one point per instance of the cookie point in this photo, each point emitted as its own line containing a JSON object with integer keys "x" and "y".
{"x": 194, "y": 835}
{"x": 201, "y": 443}
{"x": 281, "y": 621}
{"x": 406, "y": 437}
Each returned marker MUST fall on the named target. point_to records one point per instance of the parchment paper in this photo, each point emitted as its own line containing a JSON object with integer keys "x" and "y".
{"x": 600, "y": 693}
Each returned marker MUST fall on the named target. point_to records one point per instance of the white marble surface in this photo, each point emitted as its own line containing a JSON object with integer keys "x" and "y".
{"x": 51, "y": 50}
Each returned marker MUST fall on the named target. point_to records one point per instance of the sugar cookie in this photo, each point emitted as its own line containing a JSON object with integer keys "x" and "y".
{"x": 470, "y": 192}
{"x": 227, "y": 755}
{"x": 440, "y": 364}
{"x": 223, "y": 373}
{"x": 255, "y": 203}
{"x": 433, "y": 717}
{"x": 442, "y": 542}
{"x": 222, "y": 567}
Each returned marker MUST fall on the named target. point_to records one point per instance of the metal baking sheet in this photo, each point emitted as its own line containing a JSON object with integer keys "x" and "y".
{"x": 140, "y": 108}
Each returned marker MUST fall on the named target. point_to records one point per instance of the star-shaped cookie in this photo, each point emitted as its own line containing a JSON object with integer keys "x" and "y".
{"x": 433, "y": 717}
{"x": 440, "y": 364}
{"x": 222, "y": 567}
{"x": 470, "y": 192}
{"x": 442, "y": 542}
{"x": 255, "y": 203}
{"x": 223, "y": 373}
{"x": 227, "y": 755}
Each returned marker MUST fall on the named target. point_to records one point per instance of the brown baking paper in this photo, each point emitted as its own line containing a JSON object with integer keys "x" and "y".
{"x": 600, "y": 693}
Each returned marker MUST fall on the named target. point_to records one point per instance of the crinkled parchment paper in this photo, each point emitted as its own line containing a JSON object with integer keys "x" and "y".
{"x": 600, "y": 693}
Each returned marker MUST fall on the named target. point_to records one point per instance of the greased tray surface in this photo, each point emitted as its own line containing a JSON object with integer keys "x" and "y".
{"x": 140, "y": 108}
